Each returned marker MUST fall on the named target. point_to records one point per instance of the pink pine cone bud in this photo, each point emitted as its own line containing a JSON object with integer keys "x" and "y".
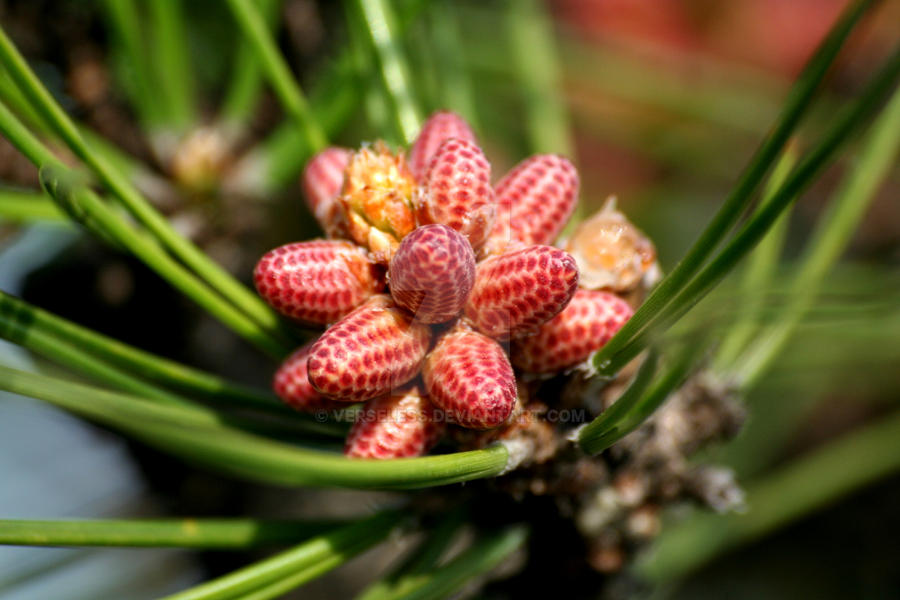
{"x": 457, "y": 192}
{"x": 370, "y": 352}
{"x": 399, "y": 426}
{"x": 291, "y": 384}
{"x": 534, "y": 202}
{"x": 468, "y": 375}
{"x": 316, "y": 282}
{"x": 432, "y": 273}
{"x": 440, "y": 127}
{"x": 582, "y": 328}
{"x": 322, "y": 180}
{"x": 517, "y": 292}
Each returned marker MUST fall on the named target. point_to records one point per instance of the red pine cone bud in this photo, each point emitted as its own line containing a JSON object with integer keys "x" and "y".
{"x": 432, "y": 273}
{"x": 534, "y": 202}
{"x": 583, "y": 327}
{"x": 398, "y": 426}
{"x": 457, "y": 192}
{"x": 468, "y": 375}
{"x": 322, "y": 179}
{"x": 517, "y": 292}
{"x": 370, "y": 352}
{"x": 291, "y": 384}
{"x": 316, "y": 282}
{"x": 440, "y": 127}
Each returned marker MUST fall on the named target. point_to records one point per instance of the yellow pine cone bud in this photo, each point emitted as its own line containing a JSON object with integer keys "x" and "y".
{"x": 376, "y": 200}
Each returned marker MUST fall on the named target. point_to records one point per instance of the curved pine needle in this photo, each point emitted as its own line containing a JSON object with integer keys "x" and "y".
{"x": 172, "y": 62}
{"x": 241, "y": 298}
{"x": 414, "y": 570}
{"x": 331, "y": 549}
{"x": 134, "y": 360}
{"x": 485, "y": 554}
{"x": 69, "y": 356}
{"x": 21, "y": 206}
{"x": 844, "y": 125}
{"x": 201, "y": 439}
{"x": 276, "y": 69}
{"x": 535, "y": 63}
{"x": 242, "y": 93}
{"x": 278, "y": 159}
{"x": 832, "y": 235}
{"x": 760, "y": 269}
{"x": 640, "y": 406}
{"x": 800, "y": 97}
{"x": 226, "y": 534}
{"x": 381, "y": 28}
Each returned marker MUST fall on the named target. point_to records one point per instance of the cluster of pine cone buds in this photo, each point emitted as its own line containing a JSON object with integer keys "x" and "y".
{"x": 436, "y": 286}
